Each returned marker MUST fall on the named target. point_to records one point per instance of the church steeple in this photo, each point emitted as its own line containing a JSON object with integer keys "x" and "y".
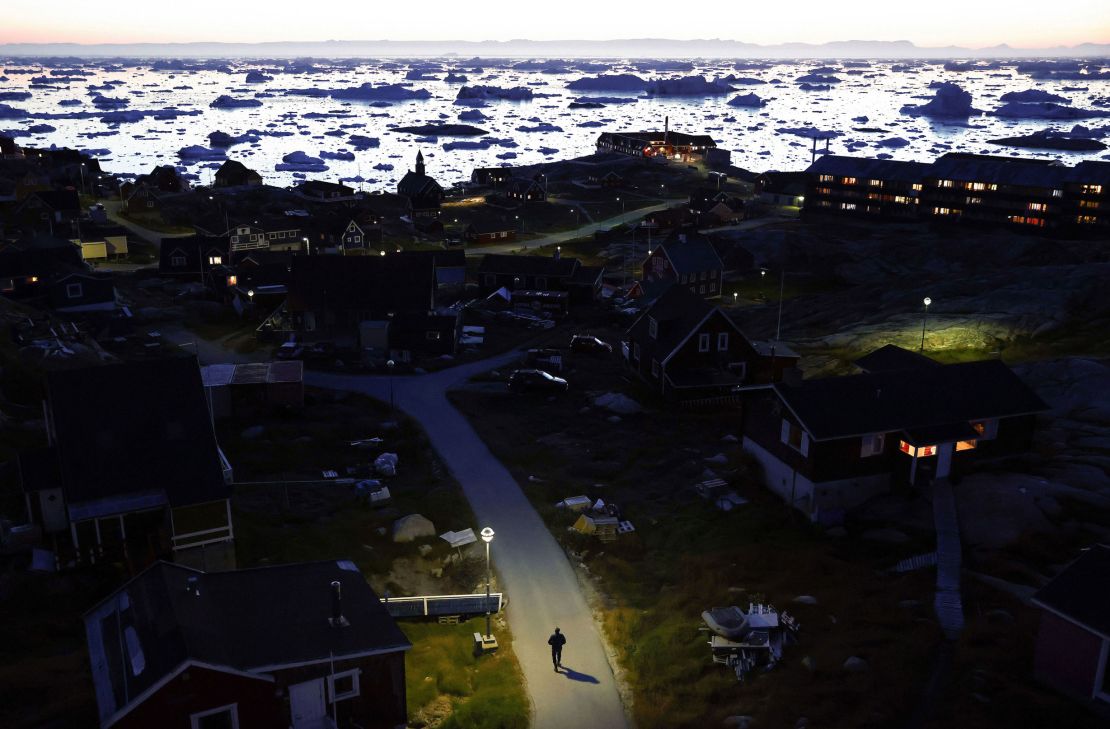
{"x": 419, "y": 163}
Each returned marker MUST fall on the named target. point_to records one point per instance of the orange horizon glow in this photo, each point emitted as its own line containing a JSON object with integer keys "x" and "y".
{"x": 948, "y": 22}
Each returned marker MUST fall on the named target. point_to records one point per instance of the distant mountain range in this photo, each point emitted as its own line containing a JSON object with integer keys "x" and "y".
{"x": 632, "y": 48}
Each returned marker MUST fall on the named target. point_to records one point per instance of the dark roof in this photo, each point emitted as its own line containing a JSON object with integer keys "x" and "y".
{"x": 1081, "y": 592}
{"x": 891, "y": 400}
{"x": 62, "y": 200}
{"x": 691, "y": 252}
{"x": 1017, "y": 171}
{"x": 484, "y": 226}
{"x": 790, "y": 183}
{"x": 521, "y": 185}
{"x": 871, "y": 169}
{"x": 418, "y": 187}
{"x": 194, "y": 247}
{"x": 1090, "y": 171}
{"x": 677, "y": 312}
{"x": 233, "y": 172}
{"x": 528, "y": 265}
{"x": 135, "y": 427}
{"x": 376, "y": 285}
{"x": 314, "y": 187}
{"x": 893, "y": 357}
{"x": 672, "y": 137}
{"x": 248, "y": 620}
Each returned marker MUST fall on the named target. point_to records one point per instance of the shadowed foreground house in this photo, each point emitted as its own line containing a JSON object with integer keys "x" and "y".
{"x": 829, "y": 444}
{"x": 307, "y": 646}
{"x": 1073, "y": 645}
{"x": 540, "y": 273}
{"x": 687, "y": 349}
{"x": 131, "y": 470}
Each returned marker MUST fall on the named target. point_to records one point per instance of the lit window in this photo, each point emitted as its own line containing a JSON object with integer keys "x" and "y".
{"x": 1038, "y": 207}
{"x": 1092, "y": 189}
{"x": 343, "y": 685}
{"x": 966, "y": 445}
{"x": 849, "y": 180}
{"x": 918, "y": 451}
{"x": 945, "y": 183}
{"x": 215, "y": 260}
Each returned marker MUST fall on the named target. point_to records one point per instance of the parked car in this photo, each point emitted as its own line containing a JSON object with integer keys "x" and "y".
{"x": 537, "y": 380}
{"x": 289, "y": 350}
{"x": 589, "y": 343}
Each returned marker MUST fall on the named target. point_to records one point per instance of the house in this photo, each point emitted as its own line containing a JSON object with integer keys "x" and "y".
{"x": 424, "y": 194}
{"x": 1072, "y": 652}
{"x": 323, "y": 191}
{"x": 194, "y": 256}
{"x": 540, "y": 273}
{"x": 82, "y": 292}
{"x": 491, "y": 176}
{"x": 233, "y": 173}
{"x": 268, "y": 232}
{"x": 358, "y": 237}
{"x": 525, "y": 189}
{"x": 685, "y": 348}
{"x": 306, "y": 646}
{"x": 56, "y": 211}
{"x": 449, "y": 267}
{"x": 144, "y": 197}
{"x": 876, "y": 188}
{"x": 715, "y": 207}
{"x": 689, "y": 259}
{"x": 9, "y": 149}
{"x": 785, "y": 189}
{"x": 1087, "y": 197}
{"x": 28, "y": 265}
{"x": 131, "y": 470}
{"x": 605, "y": 178}
{"x": 829, "y": 444}
{"x": 381, "y": 303}
{"x": 976, "y": 188}
{"x": 231, "y": 386}
{"x": 489, "y": 230}
{"x": 164, "y": 178}
{"x": 665, "y": 144}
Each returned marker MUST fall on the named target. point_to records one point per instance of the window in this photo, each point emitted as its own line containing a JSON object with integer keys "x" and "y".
{"x": 849, "y": 180}
{"x": 703, "y": 342}
{"x": 653, "y": 327}
{"x": 1038, "y": 207}
{"x": 150, "y": 203}
{"x": 343, "y": 685}
{"x": 722, "y": 342}
{"x": 966, "y": 445}
{"x": 917, "y": 451}
{"x": 795, "y": 437}
{"x": 987, "y": 429}
{"x": 74, "y": 291}
{"x": 636, "y": 351}
{"x": 358, "y": 239}
{"x": 225, "y": 717}
{"x": 944, "y": 183}
{"x": 215, "y": 260}
{"x": 431, "y": 336}
{"x": 701, "y": 289}
{"x": 847, "y": 206}
{"x": 873, "y": 445}
{"x": 655, "y": 368}
{"x": 1092, "y": 189}
{"x": 826, "y": 178}
{"x": 177, "y": 260}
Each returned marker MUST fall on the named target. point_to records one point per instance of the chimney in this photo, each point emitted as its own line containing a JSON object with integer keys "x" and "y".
{"x": 192, "y": 585}
{"x": 337, "y": 620}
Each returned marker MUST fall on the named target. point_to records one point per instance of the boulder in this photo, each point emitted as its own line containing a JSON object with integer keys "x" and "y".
{"x": 386, "y": 464}
{"x": 855, "y": 664}
{"x": 616, "y": 402}
{"x": 720, "y": 459}
{"x": 413, "y": 526}
{"x": 805, "y": 600}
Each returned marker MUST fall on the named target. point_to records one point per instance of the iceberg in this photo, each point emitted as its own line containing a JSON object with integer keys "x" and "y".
{"x": 687, "y": 86}
{"x": 300, "y": 162}
{"x": 360, "y": 142}
{"x": 1045, "y": 110}
{"x": 341, "y": 155}
{"x": 747, "y": 100}
{"x": 198, "y": 153}
{"x": 949, "y": 101}
{"x": 609, "y": 82}
{"x": 230, "y": 102}
{"x": 483, "y": 93}
{"x": 1033, "y": 95}
{"x": 257, "y": 77}
{"x": 385, "y": 92}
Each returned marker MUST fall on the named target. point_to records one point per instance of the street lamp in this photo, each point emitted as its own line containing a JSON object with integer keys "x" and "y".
{"x": 389, "y": 365}
{"x": 487, "y": 537}
{"x": 735, "y": 296}
{"x": 924, "y": 318}
{"x": 622, "y": 204}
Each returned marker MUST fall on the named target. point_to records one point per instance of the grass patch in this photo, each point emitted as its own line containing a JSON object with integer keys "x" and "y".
{"x": 448, "y": 686}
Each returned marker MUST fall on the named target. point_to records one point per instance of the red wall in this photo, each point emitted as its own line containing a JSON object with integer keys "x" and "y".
{"x": 1066, "y": 656}
{"x": 200, "y": 689}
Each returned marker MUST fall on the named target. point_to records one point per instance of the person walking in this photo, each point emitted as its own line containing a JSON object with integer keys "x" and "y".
{"x": 557, "y": 641}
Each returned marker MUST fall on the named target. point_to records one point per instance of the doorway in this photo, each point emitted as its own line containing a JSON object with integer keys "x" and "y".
{"x": 306, "y": 704}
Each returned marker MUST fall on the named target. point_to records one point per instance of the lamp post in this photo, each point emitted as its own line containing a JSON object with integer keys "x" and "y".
{"x": 622, "y": 204}
{"x": 735, "y": 297}
{"x": 389, "y": 365}
{"x": 487, "y": 537}
{"x": 924, "y": 319}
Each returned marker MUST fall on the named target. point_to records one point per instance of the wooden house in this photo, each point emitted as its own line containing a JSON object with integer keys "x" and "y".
{"x": 525, "y": 190}
{"x": 300, "y": 646}
{"x": 491, "y": 176}
{"x": 233, "y": 173}
{"x": 82, "y": 292}
{"x": 687, "y": 258}
{"x": 827, "y": 445}
{"x": 1072, "y": 652}
{"x": 323, "y": 191}
{"x": 131, "y": 470}
{"x": 685, "y": 348}
{"x": 540, "y": 273}
{"x": 489, "y": 230}
{"x": 194, "y": 256}
{"x": 863, "y": 187}
{"x": 781, "y": 188}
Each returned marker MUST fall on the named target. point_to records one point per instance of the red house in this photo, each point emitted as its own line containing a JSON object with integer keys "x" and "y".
{"x": 1073, "y": 645}
{"x": 686, "y": 348}
{"x": 687, "y": 258}
{"x": 306, "y": 646}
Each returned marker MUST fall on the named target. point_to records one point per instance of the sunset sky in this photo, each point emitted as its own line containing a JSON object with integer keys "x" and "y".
{"x": 975, "y": 24}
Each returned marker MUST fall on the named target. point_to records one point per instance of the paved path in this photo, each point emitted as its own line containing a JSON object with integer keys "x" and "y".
{"x": 948, "y": 603}
{"x": 540, "y": 584}
{"x": 573, "y": 234}
{"x": 112, "y": 208}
